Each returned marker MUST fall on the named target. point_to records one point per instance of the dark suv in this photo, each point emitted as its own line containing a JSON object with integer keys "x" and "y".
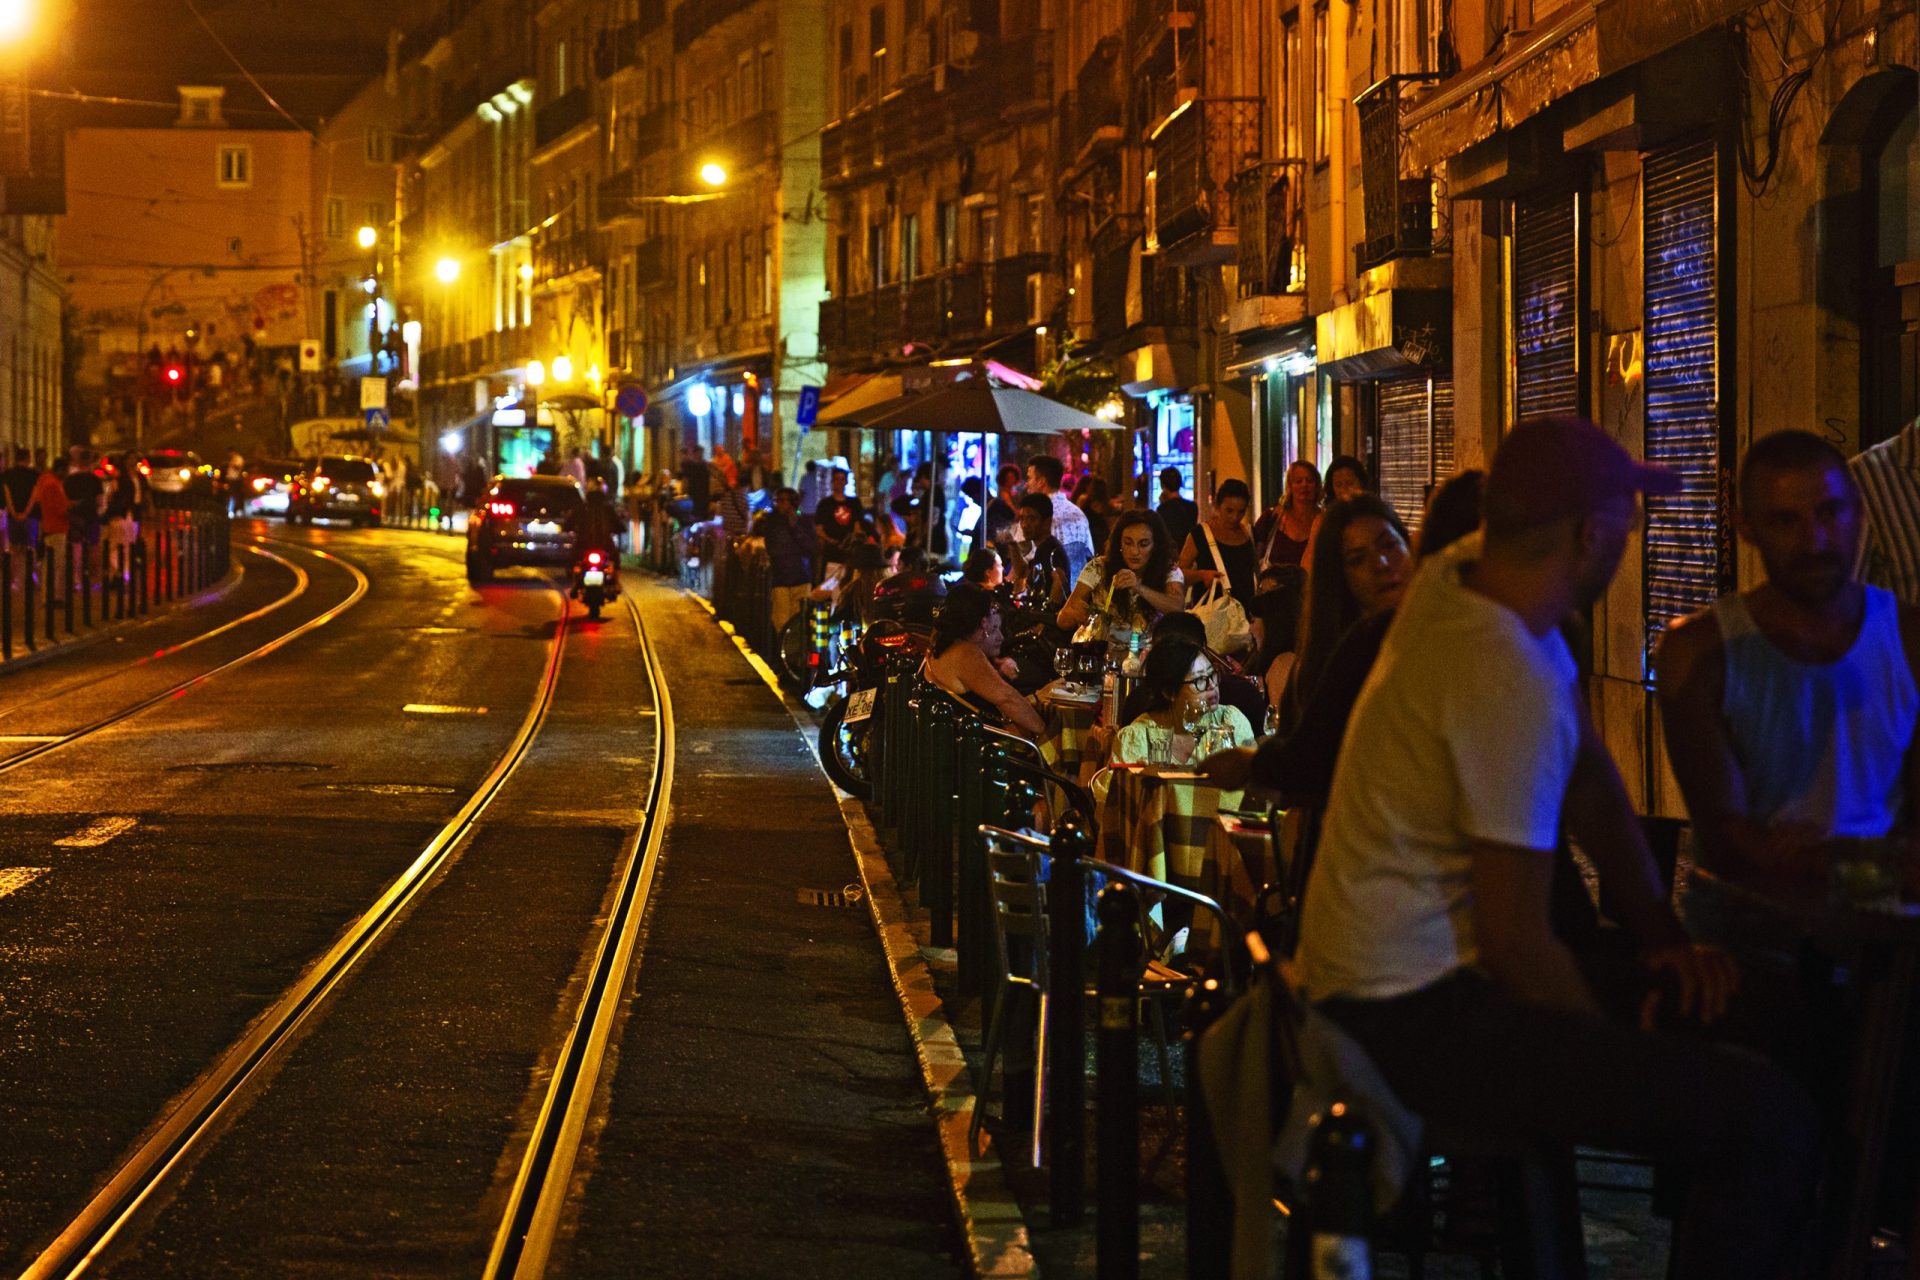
{"x": 522, "y": 521}
{"x": 341, "y": 487}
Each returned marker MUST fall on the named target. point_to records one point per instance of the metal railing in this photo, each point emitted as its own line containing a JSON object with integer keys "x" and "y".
{"x": 61, "y": 586}
{"x": 1197, "y": 151}
{"x": 561, "y": 116}
{"x": 1270, "y": 210}
{"x": 1398, "y": 212}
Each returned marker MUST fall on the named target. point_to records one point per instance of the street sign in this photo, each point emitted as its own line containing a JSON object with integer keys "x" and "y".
{"x": 310, "y": 355}
{"x": 807, "y": 412}
{"x": 631, "y": 401}
{"x": 373, "y": 393}
{"x": 377, "y": 419}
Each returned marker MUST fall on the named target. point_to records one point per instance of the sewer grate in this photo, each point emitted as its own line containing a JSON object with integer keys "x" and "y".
{"x": 383, "y": 788}
{"x": 846, "y": 896}
{"x": 250, "y": 766}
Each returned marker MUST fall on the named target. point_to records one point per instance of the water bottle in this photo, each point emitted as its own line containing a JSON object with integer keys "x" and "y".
{"x": 1339, "y": 1208}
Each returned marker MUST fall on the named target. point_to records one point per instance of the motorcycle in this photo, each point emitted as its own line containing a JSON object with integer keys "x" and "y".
{"x": 596, "y": 579}
{"x": 847, "y": 729}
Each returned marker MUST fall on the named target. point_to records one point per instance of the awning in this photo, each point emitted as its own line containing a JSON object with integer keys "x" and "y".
{"x": 1290, "y": 344}
{"x": 1158, "y": 366}
{"x": 1516, "y": 84}
{"x": 1386, "y": 334}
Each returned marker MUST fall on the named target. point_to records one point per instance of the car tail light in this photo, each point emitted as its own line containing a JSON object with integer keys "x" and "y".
{"x": 502, "y": 509}
{"x": 261, "y": 484}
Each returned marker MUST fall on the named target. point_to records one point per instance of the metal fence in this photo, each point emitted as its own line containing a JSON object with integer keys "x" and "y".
{"x": 61, "y": 587}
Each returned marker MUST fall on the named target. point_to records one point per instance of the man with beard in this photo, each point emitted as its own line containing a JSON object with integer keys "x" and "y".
{"x": 1426, "y": 933}
{"x": 1790, "y": 709}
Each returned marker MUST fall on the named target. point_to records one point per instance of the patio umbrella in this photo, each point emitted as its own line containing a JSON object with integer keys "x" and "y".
{"x": 973, "y": 407}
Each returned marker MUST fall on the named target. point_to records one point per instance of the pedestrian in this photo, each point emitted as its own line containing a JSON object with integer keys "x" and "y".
{"x": 839, "y": 519}
{"x": 1426, "y": 933}
{"x": 696, "y": 483}
{"x": 576, "y": 470}
{"x": 1042, "y": 576}
{"x": 1283, "y": 532}
{"x": 1002, "y": 519}
{"x": 126, "y": 506}
{"x": 730, "y": 507}
{"x": 1888, "y": 476}
{"x": 1044, "y": 476}
{"x": 235, "y": 476}
{"x": 23, "y": 518}
{"x": 813, "y": 485}
{"x": 86, "y": 505}
{"x": 1177, "y": 512}
{"x": 50, "y": 500}
{"x": 1220, "y": 547}
{"x": 792, "y": 544}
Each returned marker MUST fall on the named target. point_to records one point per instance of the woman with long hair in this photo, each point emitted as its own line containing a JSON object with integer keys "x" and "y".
{"x": 1282, "y": 533}
{"x": 1096, "y": 503}
{"x": 1133, "y": 583}
{"x": 1361, "y": 567}
{"x": 1226, "y": 528}
{"x": 965, "y": 659}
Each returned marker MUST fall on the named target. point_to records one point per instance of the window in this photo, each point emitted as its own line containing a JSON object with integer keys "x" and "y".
{"x": 843, "y": 265}
{"x": 377, "y": 218}
{"x": 236, "y": 167}
{"x": 877, "y": 48}
{"x": 946, "y": 233}
{"x": 877, "y": 251}
{"x": 910, "y": 247}
{"x": 986, "y": 234}
{"x": 1322, "y": 98}
{"x": 559, "y": 68}
{"x": 707, "y": 312}
{"x": 336, "y": 217}
{"x": 1290, "y": 69}
{"x": 1424, "y": 44}
{"x": 729, "y": 109}
{"x": 379, "y": 145}
{"x": 847, "y": 98}
{"x": 749, "y": 90}
{"x": 1036, "y": 223}
{"x": 766, "y": 79}
{"x": 766, "y": 272}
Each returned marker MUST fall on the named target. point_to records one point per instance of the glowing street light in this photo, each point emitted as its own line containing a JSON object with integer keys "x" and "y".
{"x": 16, "y": 19}
{"x": 714, "y": 175}
{"x": 526, "y": 272}
{"x": 536, "y": 373}
{"x": 563, "y": 368}
{"x": 368, "y": 237}
{"x": 447, "y": 270}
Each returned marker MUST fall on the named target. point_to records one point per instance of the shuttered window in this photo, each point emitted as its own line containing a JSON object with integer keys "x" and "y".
{"x": 1416, "y": 441}
{"x": 1685, "y": 565}
{"x": 1546, "y": 306}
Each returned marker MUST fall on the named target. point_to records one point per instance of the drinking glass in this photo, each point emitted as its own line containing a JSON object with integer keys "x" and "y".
{"x": 1063, "y": 662}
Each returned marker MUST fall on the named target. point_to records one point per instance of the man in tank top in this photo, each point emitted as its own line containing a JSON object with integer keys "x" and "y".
{"x": 1790, "y": 708}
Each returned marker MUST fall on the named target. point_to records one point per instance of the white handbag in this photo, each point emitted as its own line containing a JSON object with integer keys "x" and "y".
{"x": 1228, "y": 630}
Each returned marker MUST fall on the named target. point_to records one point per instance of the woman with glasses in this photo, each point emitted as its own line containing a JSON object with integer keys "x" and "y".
{"x": 1175, "y": 715}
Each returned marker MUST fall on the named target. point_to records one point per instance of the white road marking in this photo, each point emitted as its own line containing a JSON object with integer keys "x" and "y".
{"x": 97, "y": 833}
{"x": 439, "y": 709}
{"x": 13, "y": 879}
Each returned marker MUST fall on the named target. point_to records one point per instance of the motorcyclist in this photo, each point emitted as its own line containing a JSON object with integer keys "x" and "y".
{"x": 597, "y": 524}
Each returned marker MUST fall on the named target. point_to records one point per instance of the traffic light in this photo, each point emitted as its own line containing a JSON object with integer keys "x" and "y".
{"x": 175, "y": 375}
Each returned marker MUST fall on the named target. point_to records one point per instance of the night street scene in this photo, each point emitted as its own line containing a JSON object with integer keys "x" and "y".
{"x": 896, "y": 639}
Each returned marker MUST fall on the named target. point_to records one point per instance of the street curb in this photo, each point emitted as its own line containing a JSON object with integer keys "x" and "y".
{"x": 74, "y": 644}
{"x": 989, "y": 1215}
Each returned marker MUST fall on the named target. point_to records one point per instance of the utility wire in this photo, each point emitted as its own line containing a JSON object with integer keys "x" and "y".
{"x": 105, "y": 100}
{"x": 272, "y": 101}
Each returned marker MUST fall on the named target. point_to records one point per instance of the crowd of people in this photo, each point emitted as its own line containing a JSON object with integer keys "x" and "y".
{"x": 76, "y": 501}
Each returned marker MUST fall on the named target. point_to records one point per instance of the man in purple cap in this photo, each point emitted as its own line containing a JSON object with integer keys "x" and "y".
{"x": 1426, "y": 933}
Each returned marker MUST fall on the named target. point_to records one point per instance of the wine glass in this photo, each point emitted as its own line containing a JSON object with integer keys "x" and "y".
{"x": 1064, "y": 662}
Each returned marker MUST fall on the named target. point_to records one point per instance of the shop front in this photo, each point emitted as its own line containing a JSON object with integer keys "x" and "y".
{"x": 1386, "y": 364}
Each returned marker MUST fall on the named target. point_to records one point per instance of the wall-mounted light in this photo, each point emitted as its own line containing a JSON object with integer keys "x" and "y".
{"x": 714, "y": 175}
{"x": 536, "y": 373}
{"x": 563, "y": 368}
{"x": 447, "y": 270}
{"x": 699, "y": 400}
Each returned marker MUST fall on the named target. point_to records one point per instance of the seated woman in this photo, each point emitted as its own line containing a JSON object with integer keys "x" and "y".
{"x": 983, "y": 569}
{"x": 1132, "y": 584}
{"x": 1175, "y": 715}
{"x": 965, "y": 660}
{"x": 1237, "y": 689}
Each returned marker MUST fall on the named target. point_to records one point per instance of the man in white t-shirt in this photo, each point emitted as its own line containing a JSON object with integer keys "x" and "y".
{"x": 1426, "y": 932}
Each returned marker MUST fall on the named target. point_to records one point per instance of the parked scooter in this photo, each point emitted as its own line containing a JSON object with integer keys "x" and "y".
{"x": 847, "y": 728}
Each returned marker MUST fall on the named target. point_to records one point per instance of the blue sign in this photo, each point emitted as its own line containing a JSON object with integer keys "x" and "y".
{"x": 808, "y": 410}
{"x": 631, "y": 401}
{"x": 377, "y": 419}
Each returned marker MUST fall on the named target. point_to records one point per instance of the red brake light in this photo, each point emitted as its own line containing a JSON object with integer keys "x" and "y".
{"x": 897, "y": 641}
{"x": 502, "y": 509}
{"x": 593, "y": 557}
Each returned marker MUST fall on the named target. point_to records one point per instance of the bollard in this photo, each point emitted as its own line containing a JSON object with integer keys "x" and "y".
{"x": 86, "y": 590}
{"x": 1065, "y": 1034}
{"x": 52, "y": 601}
{"x": 1338, "y": 1207}
{"x": 141, "y": 571}
{"x": 28, "y": 573}
{"x": 1116, "y": 1048}
{"x": 67, "y": 580}
{"x": 6, "y": 603}
{"x": 1209, "y": 1198}
{"x": 940, "y": 720}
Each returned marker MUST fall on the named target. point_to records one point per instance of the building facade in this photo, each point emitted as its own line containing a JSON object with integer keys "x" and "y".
{"x": 31, "y": 301}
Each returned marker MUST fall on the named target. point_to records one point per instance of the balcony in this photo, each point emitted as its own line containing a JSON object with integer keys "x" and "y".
{"x": 651, "y": 267}
{"x": 833, "y": 327}
{"x": 694, "y": 18}
{"x": 558, "y": 256}
{"x": 1096, "y": 115}
{"x": 964, "y": 301}
{"x": 1270, "y": 212}
{"x": 653, "y": 16}
{"x": 1196, "y": 153}
{"x": 1113, "y": 252}
{"x": 925, "y": 319}
{"x": 746, "y": 142}
{"x": 562, "y": 116}
{"x": 1152, "y": 21}
{"x": 846, "y": 148}
{"x": 616, "y": 50}
{"x": 1167, "y": 296}
{"x": 618, "y": 192}
{"x": 1398, "y": 211}
{"x": 1007, "y": 301}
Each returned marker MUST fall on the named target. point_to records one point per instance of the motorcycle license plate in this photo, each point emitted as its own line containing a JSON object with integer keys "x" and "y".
{"x": 592, "y": 578}
{"x": 859, "y": 706}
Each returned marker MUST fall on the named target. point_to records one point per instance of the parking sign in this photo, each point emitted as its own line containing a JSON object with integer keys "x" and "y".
{"x": 807, "y": 412}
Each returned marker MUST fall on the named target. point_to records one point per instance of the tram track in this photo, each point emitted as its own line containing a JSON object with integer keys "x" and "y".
{"x": 278, "y": 642}
{"x": 194, "y": 1121}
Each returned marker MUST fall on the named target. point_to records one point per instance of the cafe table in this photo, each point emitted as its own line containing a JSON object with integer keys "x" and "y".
{"x": 1240, "y": 862}
{"x": 1156, "y": 821}
{"x": 1885, "y": 936}
{"x": 1072, "y": 711}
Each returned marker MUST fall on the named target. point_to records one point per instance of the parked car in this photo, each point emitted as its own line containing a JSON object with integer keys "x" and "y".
{"x": 522, "y": 521}
{"x": 269, "y": 487}
{"x": 176, "y": 471}
{"x": 338, "y": 487}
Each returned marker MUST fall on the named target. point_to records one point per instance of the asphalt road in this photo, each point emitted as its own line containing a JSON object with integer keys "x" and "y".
{"x": 164, "y": 881}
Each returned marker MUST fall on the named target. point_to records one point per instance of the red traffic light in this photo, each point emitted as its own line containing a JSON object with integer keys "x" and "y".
{"x": 175, "y": 373}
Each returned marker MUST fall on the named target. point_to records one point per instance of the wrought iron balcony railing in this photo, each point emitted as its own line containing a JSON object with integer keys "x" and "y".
{"x": 1270, "y": 212}
{"x": 561, "y": 116}
{"x": 1196, "y": 153}
{"x": 1398, "y": 211}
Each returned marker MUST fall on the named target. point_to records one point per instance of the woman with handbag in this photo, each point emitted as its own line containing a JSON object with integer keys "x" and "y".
{"x": 1219, "y": 556}
{"x": 1132, "y": 584}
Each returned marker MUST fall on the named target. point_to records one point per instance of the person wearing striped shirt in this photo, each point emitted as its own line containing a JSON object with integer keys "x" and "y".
{"x": 1888, "y": 475}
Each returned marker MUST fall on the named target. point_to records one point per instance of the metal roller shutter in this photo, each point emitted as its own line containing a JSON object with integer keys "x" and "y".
{"x": 1546, "y": 306}
{"x": 1410, "y": 436}
{"x": 1685, "y": 566}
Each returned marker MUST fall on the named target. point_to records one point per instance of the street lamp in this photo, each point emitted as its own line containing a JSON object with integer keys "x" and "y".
{"x": 713, "y": 174}
{"x": 536, "y": 373}
{"x": 16, "y": 19}
{"x": 368, "y": 237}
{"x": 447, "y": 270}
{"x": 563, "y": 368}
